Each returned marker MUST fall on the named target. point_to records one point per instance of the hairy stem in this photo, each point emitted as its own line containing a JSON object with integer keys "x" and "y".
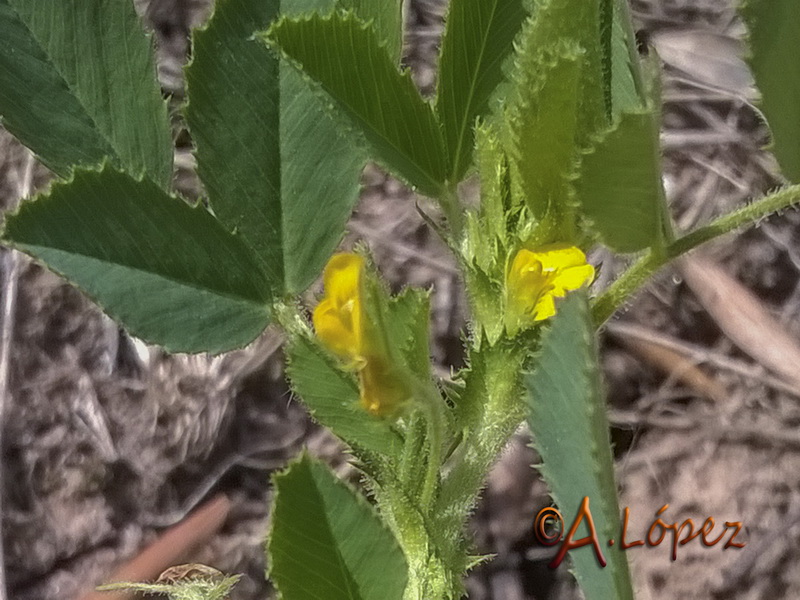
{"x": 637, "y": 275}
{"x": 501, "y": 412}
{"x": 413, "y": 446}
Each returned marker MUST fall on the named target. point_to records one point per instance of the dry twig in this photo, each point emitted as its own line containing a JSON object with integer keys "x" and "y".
{"x": 676, "y": 365}
{"x": 743, "y": 317}
{"x": 702, "y": 355}
{"x": 170, "y": 548}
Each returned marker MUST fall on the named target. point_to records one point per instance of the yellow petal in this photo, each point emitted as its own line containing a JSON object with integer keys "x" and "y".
{"x": 525, "y": 261}
{"x": 536, "y": 277}
{"x": 342, "y": 277}
{"x": 336, "y": 334}
{"x": 545, "y": 308}
{"x": 559, "y": 256}
{"x": 572, "y": 278}
{"x": 526, "y": 277}
{"x": 338, "y": 316}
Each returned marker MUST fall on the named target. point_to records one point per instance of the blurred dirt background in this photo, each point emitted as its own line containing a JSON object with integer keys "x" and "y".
{"x": 106, "y": 442}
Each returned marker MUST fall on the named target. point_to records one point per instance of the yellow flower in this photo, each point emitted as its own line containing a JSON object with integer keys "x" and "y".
{"x": 338, "y": 317}
{"x": 341, "y": 323}
{"x": 536, "y": 278}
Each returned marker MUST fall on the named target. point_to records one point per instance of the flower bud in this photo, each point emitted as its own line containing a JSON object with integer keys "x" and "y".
{"x": 343, "y": 325}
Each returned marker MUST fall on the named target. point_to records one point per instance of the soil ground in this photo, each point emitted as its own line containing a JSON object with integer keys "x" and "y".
{"x": 107, "y": 441}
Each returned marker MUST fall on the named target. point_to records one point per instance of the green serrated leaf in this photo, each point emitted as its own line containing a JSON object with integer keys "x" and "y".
{"x": 485, "y": 244}
{"x": 277, "y": 168}
{"x": 485, "y": 293}
{"x": 168, "y": 271}
{"x": 327, "y": 543}
{"x": 625, "y": 88}
{"x": 78, "y": 85}
{"x": 496, "y": 196}
{"x": 620, "y": 186}
{"x": 774, "y": 30}
{"x": 472, "y": 396}
{"x": 478, "y": 39}
{"x": 345, "y": 58}
{"x": 407, "y": 329}
{"x": 545, "y": 121}
{"x": 320, "y": 180}
{"x": 332, "y": 399}
{"x": 570, "y": 432}
{"x": 386, "y": 17}
{"x": 575, "y": 23}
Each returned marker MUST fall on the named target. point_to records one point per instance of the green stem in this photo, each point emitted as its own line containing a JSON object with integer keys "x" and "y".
{"x": 412, "y": 448}
{"x": 501, "y": 412}
{"x": 428, "y": 576}
{"x": 631, "y": 280}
